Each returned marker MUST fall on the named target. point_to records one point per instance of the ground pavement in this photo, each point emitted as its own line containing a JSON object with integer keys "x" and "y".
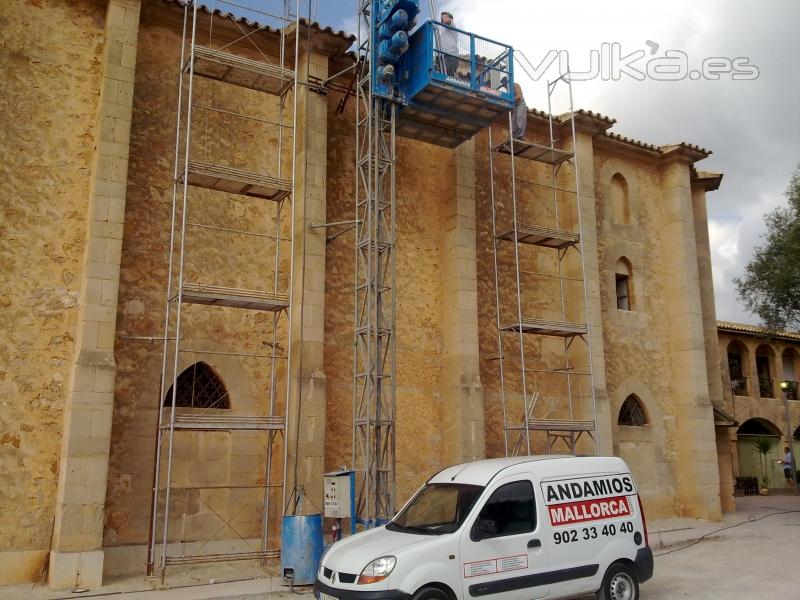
{"x": 751, "y": 553}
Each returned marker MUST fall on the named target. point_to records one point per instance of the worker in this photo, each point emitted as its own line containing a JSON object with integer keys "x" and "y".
{"x": 448, "y": 44}
{"x": 520, "y": 116}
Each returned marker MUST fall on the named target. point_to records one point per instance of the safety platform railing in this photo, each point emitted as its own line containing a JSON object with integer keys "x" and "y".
{"x": 453, "y": 56}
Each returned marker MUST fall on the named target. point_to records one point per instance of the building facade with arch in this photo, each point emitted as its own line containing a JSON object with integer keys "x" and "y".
{"x": 83, "y": 256}
{"x": 754, "y": 363}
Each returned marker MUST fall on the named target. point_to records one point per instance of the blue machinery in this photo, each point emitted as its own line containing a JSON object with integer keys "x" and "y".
{"x": 440, "y": 85}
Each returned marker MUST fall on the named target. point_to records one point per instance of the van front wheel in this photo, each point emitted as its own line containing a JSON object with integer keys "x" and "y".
{"x": 430, "y": 593}
{"x": 619, "y": 583}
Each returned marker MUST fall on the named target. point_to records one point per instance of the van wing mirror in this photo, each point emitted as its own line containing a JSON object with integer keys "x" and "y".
{"x": 483, "y": 528}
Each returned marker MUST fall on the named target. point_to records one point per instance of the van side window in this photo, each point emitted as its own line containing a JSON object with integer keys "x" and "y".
{"x": 510, "y": 510}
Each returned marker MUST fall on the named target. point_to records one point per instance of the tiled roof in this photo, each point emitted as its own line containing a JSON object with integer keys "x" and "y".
{"x": 592, "y": 114}
{"x": 226, "y": 14}
{"x": 604, "y": 122}
{"x": 662, "y": 151}
{"x": 631, "y": 142}
{"x": 684, "y": 146}
{"x": 757, "y": 330}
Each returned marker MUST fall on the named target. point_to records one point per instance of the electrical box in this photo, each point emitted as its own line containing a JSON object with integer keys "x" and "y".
{"x": 338, "y": 494}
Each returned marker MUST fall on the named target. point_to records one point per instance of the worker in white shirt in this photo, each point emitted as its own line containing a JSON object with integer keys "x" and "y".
{"x": 448, "y": 44}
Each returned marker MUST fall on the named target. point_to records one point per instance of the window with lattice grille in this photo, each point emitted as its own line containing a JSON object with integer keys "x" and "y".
{"x": 199, "y": 387}
{"x": 632, "y": 412}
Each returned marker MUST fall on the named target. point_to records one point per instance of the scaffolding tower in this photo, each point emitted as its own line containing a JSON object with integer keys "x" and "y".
{"x": 207, "y": 188}
{"x": 374, "y": 364}
{"x": 541, "y": 298}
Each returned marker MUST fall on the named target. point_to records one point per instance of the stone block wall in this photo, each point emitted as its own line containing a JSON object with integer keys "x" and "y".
{"x": 50, "y": 64}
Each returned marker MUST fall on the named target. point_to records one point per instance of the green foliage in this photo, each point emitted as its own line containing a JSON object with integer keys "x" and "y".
{"x": 770, "y": 287}
{"x": 764, "y": 445}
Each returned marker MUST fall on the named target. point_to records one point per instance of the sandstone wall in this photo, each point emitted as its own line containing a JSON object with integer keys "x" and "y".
{"x": 50, "y": 68}
{"x": 420, "y": 169}
{"x": 637, "y": 350}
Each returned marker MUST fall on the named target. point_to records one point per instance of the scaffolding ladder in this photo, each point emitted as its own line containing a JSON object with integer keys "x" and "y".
{"x": 541, "y": 299}
{"x": 267, "y": 191}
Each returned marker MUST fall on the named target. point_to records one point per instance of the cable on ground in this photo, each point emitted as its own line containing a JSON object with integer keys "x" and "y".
{"x": 751, "y": 519}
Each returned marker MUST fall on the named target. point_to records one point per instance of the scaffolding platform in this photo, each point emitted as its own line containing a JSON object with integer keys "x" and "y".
{"x": 560, "y": 426}
{"x": 238, "y": 70}
{"x": 537, "y": 235}
{"x": 237, "y": 181}
{"x": 535, "y": 152}
{"x": 563, "y": 329}
{"x": 212, "y": 558}
{"x": 210, "y": 295}
{"x": 214, "y": 422}
{"x": 446, "y": 116}
{"x": 449, "y": 97}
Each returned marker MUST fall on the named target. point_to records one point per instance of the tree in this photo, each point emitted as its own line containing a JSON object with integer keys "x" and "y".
{"x": 770, "y": 287}
{"x": 764, "y": 445}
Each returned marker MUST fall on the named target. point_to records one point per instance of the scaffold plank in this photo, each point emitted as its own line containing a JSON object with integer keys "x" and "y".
{"x": 238, "y": 70}
{"x": 237, "y": 181}
{"x": 214, "y": 422}
{"x": 549, "y": 328}
{"x": 536, "y": 152}
{"x": 211, "y": 558}
{"x": 194, "y": 293}
{"x": 560, "y": 425}
{"x": 537, "y": 235}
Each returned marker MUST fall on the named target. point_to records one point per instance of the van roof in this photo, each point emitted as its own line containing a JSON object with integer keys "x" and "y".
{"x": 481, "y": 472}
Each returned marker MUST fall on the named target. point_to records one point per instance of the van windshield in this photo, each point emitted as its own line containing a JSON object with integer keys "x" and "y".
{"x": 438, "y": 508}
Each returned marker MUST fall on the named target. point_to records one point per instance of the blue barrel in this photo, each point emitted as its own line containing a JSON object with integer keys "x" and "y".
{"x": 301, "y": 548}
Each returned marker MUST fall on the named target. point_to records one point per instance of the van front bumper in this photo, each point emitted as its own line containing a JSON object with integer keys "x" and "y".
{"x": 358, "y": 594}
{"x": 644, "y": 563}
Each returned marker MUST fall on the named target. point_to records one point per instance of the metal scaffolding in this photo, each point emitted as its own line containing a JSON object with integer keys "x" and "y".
{"x": 541, "y": 299}
{"x": 375, "y": 362}
{"x": 202, "y": 162}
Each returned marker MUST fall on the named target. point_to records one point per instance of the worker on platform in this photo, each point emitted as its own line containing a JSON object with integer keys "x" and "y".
{"x": 448, "y": 44}
{"x": 519, "y": 119}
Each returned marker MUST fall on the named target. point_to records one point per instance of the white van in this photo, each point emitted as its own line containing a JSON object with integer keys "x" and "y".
{"x": 502, "y": 529}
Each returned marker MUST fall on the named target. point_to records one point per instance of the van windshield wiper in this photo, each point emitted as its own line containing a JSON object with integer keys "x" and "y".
{"x": 392, "y": 526}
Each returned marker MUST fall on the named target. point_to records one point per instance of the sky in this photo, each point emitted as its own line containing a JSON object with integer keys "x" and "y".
{"x": 745, "y": 107}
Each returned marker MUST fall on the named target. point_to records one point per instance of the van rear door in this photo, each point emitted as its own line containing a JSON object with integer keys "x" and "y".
{"x": 587, "y": 515}
{"x": 501, "y": 550}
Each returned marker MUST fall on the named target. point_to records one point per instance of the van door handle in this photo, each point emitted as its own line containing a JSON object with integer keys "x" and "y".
{"x": 534, "y": 544}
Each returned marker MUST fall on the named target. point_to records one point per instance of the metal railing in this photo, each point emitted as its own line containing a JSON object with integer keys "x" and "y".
{"x": 739, "y": 386}
{"x": 472, "y": 61}
{"x": 766, "y": 387}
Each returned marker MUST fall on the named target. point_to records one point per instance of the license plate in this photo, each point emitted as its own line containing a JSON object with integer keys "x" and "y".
{"x": 323, "y": 596}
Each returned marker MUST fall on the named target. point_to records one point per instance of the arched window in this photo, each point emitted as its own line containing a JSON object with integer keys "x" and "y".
{"x": 738, "y": 358}
{"x": 632, "y": 412}
{"x": 199, "y": 387}
{"x": 623, "y": 284}
{"x": 620, "y": 202}
{"x": 765, "y": 361}
{"x": 791, "y": 362}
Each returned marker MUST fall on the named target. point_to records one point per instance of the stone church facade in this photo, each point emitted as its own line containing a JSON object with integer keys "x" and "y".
{"x": 88, "y": 117}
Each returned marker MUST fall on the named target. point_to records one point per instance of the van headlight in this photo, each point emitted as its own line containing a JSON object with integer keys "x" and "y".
{"x": 377, "y": 570}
